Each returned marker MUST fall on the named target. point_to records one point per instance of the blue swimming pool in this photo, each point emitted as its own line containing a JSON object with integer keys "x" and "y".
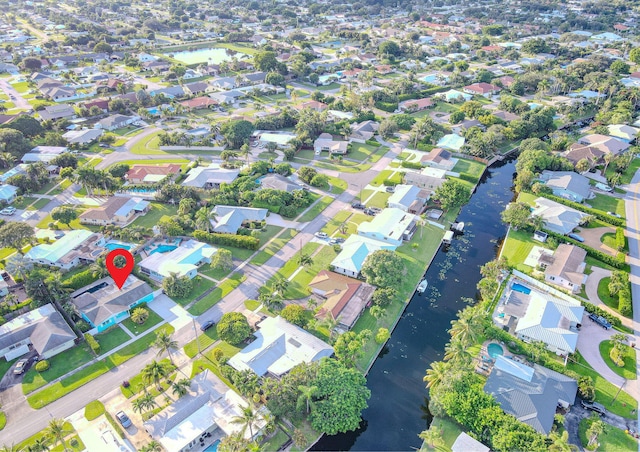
{"x": 117, "y": 245}
{"x": 495, "y": 350}
{"x": 213, "y": 447}
{"x": 163, "y": 249}
{"x": 520, "y": 288}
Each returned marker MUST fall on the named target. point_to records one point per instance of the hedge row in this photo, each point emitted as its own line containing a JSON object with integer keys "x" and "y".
{"x": 389, "y": 107}
{"x": 79, "y": 280}
{"x": 616, "y": 262}
{"x": 597, "y": 310}
{"x": 423, "y": 93}
{"x": 412, "y": 165}
{"x": 581, "y": 207}
{"x": 239, "y": 241}
{"x": 92, "y": 343}
{"x": 620, "y": 239}
{"x": 469, "y": 178}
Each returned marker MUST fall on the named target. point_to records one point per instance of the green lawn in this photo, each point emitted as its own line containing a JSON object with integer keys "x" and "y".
{"x": 470, "y": 167}
{"x": 628, "y": 174}
{"x": 276, "y": 441}
{"x": 112, "y": 338}
{"x": 79, "y": 446}
{"x": 200, "y": 286}
{"x": 449, "y": 431}
{"x": 148, "y": 145}
{"x": 605, "y": 391}
{"x": 251, "y": 305}
{"x": 215, "y": 273}
{"x": 294, "y": 291}
{"x": 75, "y": 224}
{"x": 606, "y": 203}
{"x": 136, "y": 383}
{"x": 5, "y": 366}
{"x": 223, "y": 289}
{"x": 138, "y": 329}
{"x": 361, "y": 151}
{"x": 613, "y": 439}
{"x": 337, "y": 185}
{"x": 316, "y": 210}
{"x": 60, "y": 364}
{"x": 333, "y": 224}
{"x": 205, "y": 339}
{"x": 628, "y": 371}
{"x": 69, "y": 384}
{"x": 298, "y": 287}
{"x": 40, "y": 203}
{"x": 528, "y": 198}
{"x": 395, "y": 176}
{"x": 24, "y": 202}
{"x": 154, "y": 161}
{"x": 517, "y": 247}
{"x": 379, "y": 200}
{"x": 272, "y": 248}
{"x": 158, "y": 210}
{"x": 605, "y": 296}
{"x": 93, "y": 410}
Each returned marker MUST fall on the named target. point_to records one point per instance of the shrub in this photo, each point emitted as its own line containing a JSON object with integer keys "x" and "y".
{"x": 83, "y": 326}
{"x": 412, "y": 165}
{"x": 93, "y": 343}
{"x": 593, "y": 309}
{"x": 80, "y": 280}
{"x": 139, "y": 315}
{"x": 620, "y": 239}
{"x": 239, "y": 241}
{"x": 294, "y": 313}
{"x": 624, "y": 303}
{"x": 42, "y": 366}
{"x": 617, "y": 262}
{"x": 233, "y": 327}
{"x": 581, "y": 207}
{"x": 616, "y": 356}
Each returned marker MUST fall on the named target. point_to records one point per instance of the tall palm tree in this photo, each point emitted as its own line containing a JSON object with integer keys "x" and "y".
{"x": 18, "y": 265}
{"x": 144, "y": 403}
{"x": 463, "y": 331}
{"x": 306, "y": 397}
{"x": 280, "y": 285}
{"x": 57, "y": 430}
{"x": 330, "y": 323}
{"x": 560, "y": 443}
{"x": 272, "y": 301}
{"x": 305, "y": 260}
{"x": 154, "y": 372}
{"x": 98, "y": 268}
{"x": 164, "y": 343}
{"x": 153, "y": 446}
{"x": 203, "y": 219}
{"x": 248, "y": 417}
{"x": 181, "y": 387}
{"x": 456, "y": 350}
{"x": 39, "y": 445}
{"x": 8, "y": 159}
{"x": 437, "y": 374}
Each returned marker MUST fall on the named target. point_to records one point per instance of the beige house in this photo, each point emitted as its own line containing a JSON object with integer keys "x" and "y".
{"x": 119, "y": 210}
{"x": 567, "y": 268}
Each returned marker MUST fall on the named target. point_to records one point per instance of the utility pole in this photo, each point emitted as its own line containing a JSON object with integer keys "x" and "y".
{"x": 619, "y": 389}
{"x": 195, "y": 330}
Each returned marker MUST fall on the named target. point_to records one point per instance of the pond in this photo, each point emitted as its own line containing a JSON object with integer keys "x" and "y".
{"x": 215, "y": 55}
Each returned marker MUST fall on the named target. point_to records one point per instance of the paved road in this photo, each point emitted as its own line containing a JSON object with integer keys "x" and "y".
{"x": 17, "y": 99}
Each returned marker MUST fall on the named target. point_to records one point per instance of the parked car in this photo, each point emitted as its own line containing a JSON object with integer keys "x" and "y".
{"x": 358, "y": 205}
{"x": 576, "y": 237}
{"x": 206, "y": 325}
{"x": 604, "y": 323}
{"x": 333, "y": 242}
{"x": 390, "y": 189}
{"x": 613, "y": 214}
{"x": 339, "y": 240}
{"x": 370, "y": 211}
{"x": 594, "y": 406}
{"x": 123, "y": 419}
{"x": 321, "y": 235}
{"x": 21, "y": 367}
{"x": 8, "y": 211}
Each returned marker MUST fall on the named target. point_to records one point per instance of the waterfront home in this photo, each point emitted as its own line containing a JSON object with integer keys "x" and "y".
{"x": 439, "y": 158}
{"x": 102, "y": 304}
{"x": 558, "y": 217}
{"x": 279, "y": 347}
{"x": 465, "y": 443}
{"x": 451, "y": 142}
{"x": 623, "y": 132}
{"x": 43, "y": 330}
{"x": 354, "y": 252}
{"x": 118, "y": 210}
{"x": 76, "y": 247}
{"x": 607, "y": 144}
{"x": 183, "y": 260}
{"x": 428, "y": 178}
{"x": 531, "y": 394}
{"x": 202, "y": 417}
{"x": 149, "y": 174}
{"x": 408, "y": 198}
{"x": 566, "y": 268}
{"x": 392, "y": 225}
{"x": 567, "y": 184}
{"x": 210, "y": 177}
{"x": 228, "y": 219}
{"x": 341, "y": 297}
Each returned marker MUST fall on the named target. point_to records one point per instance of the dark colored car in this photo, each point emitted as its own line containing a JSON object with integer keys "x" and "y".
{"x": 123, "y": 419}
{"x": 604, "y": 323}
{"x": 575, "y": 237}
{"x": 594, "y": 406}
{"x": 390, "y": 189}
{"x": 357, "y": 205}
{"x": 206, "y": 325}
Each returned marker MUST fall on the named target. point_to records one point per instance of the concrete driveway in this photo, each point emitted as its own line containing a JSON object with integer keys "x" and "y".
{"x": 592, "y": 238}
{"x": 98, "y": 434}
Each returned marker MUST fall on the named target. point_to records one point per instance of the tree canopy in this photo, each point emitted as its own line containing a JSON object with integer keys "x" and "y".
{"x": 237, "y": 132}
{"x": 233, "y": 327}
{"x": 383, "y": 268}
{"x": 452, "y": 194}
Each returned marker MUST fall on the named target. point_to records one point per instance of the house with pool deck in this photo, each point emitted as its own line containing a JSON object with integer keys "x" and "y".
{"x": 183, "y": 259}
{"x": 76, "y": 247}
{"x": 103, "y": 305}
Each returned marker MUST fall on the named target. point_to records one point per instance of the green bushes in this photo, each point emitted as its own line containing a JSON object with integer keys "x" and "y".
{"x": 95, "y": 346}
{"x": 593, "y": 309}
{"x": 389, "y": 107}
{"x": 581, "y": 207}
{"x": 624, "y": 302}
{"x": 468, "y": 177}
{"x": 42, "y": 366}
{"x": 620, "y": 239}
{"x": 80, "y": 280}
{"x": 412, "y": 165}
{"x": 616, "y": 262}
{"x": 239, "y": 241}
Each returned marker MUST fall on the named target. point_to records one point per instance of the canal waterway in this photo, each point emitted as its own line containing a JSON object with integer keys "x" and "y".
{"x": 398, "y": 409}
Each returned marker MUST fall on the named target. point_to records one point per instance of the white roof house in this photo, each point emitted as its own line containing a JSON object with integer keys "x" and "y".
{"x": 230, "y": 218}
{"x": 82, "y": 136}
{"x": 391, "y": 226}
{"x": 623, "y": 132}
{"x": 210, "y": 176}
{"x": 567, "y": 184}
{"x": 278, "y": 348}
{"x": 8, "y": 193}
{"x": 354, "y": 252}
{"x": 465, "y": 443}
{"x": 404, "y": 196}
{"x": 43, "y": 154}
{"x": 76, "y": 246}
{"x": 557, "y": 217}
{"x": 184, "y": 260}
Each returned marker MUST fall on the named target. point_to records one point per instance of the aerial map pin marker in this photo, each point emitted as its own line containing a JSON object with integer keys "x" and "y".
{"x": 119, "y": 275}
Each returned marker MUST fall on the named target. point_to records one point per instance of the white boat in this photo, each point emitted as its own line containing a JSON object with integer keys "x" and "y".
{"x": 422, "y": 286}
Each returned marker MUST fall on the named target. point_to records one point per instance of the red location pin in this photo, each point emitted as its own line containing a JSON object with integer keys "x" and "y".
{"x": 119, "y": 275}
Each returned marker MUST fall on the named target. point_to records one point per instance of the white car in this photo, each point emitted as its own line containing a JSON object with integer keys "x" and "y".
{"x": 8, "y": 211}
{"x": 321, "y": 235}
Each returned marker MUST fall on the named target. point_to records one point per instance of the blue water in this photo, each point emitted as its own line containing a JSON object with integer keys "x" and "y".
{"x": 520, "y": 288}
{"x": 153, "y": 111}
{"x": 495, "y": 350}
{"x": 163, "y": 249}
{"x": 213, "y": 447}
{"x": 116, "y": 245}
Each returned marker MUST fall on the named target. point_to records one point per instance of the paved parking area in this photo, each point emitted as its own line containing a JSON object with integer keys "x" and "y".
{"x": 98, "y": 435}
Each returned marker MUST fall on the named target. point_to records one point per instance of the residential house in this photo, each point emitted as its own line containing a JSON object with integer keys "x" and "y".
{"x": 54, "y": 112}
{"x": 577, "y": 152}
{"x": 608, "y": 145}
{"x": 196, "y": 88}
{"x": 116, "y": 122}
{"x": 428, "y": 178}
{"x": 43, "y": 330}
{"x": 567, "y": 184}
{"x": 18, "y": 169}
{"x": 280, "y": 139}
{"x": 78, "y": 246}
{"x": 558, "y": 217}
{"x": 392, "y": 225}
{"x": 118, "y": 210}
{"x": 451, "y": 142}
{"x": 202, "y": 417}
{"x": 43, "y": 154}
{"x": 210, "y": 177}
{"x": 8, "y": 193}
{"x": 255, "y": 78}
{"x": 325, "y": 142}
{"x": 454, "y": 96}
{"x": 149, "y": 174}
{"x": 102, "y": 304}
{"x": 231, "y": 218}
{"x": 413, "y": 105}
{"x": 313, "y": 105}
{"x": 227, "y": 97}
{"x": 341, "y": 297}
{"x": 623, "y": 132}
{"x": 363, "y": 131}
{"x": 278, "y": 348}
{"x": 146, "y": 58}
{"x": 408, "y": 198}
{"x": 156, "y": 66}
{"x": 199, "y": 103}
{"x": 531, "y": 394}
{"x": 225, "y": 83}
{"x": 466, "y": 443}
{"x": 82, "y": 137}
{"x": 170, "y": 92}
{"x": 439, "y": 158}
{"x": 276, "y": 181}
{"x": 566, "y": 269}
{"x": 183, "y": 261}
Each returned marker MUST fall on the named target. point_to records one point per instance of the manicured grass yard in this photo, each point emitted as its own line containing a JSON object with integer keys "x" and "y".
{"x": 606, "y": 203}
{"x": 40, "y": 203}
{"x": 136, "y": 383}
{"x": 517, "y": 247}
{"x": 294, "y": 291}
{"x": 112, "y": 338}
{"x": 149, "y": 145}
{"x": 298, "y": 288}
{"x": 613, "y": 439}
{"x": 605, "y": 296}
{"x": 337, "y": 185}
{"x": 629, "y": 370}
{"x": 60, "y": 365}
{"x": 333, "y": 225}
{"x": 24, "y": 445}
{"x": 379, "y": 200}
{"x": 360, "y": 151}
{"x": 206, "y": 339}
{"x": 5, "y": 366}
{"x": 158, "y": 210}
{"x": 24, "y": 202}
{"x": 93, "y": 410}
{"x": 136, "y": 328}
{"x": 276, "y": 245}
{"x": 469, "y": 167}
{"x": 316, "y": 210}
{"x": 218, "y": 294}
{"x": 200, "y": 286}
{"x": 628, "y": 174}
{"x": 394, "y": 176}
{"x": 449, "y": 431}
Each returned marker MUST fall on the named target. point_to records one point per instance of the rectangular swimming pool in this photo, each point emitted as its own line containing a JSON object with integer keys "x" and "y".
{"x": 117, "y": 245}
{"x": 163, "y": 249}
{"x": 520, "y": 288}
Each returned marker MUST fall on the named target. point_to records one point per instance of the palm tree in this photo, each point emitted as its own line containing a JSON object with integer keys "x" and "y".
{"x": 437, "y": 374}
{"x": 247, "y": 419}
{"x": 164, "y": 343}
{"x": 377, "y": 312}
{"x": 98, "y": 268}
{"x": 18, "y": 265}
{"x": 39, "y": 445}
{"x": 537, "y": 221}
{"x": 305, "y": 260}
{"x": 181, "y": 387}
{"x": 280, "y": 285}
{"x": 8, "y": 159}
{"x": 57, "y": 430}
{"x": 203, "y": 219}
{"x": 463, "y": 331}
{"x": 561, "y": 443}
{"x": 306, "y": 397}
{"x": 596, "y": 429}
{"x": 456, "y": 350}
{"x": 272, "y": 301}
{"x": 144, "y": 403}
{"x": 330, "y": 323}
{"x": 11, "y": 448}
{"x": 153, "y": 446}
{"x": 432, "y": 437}
{"x": 154, "y": 372}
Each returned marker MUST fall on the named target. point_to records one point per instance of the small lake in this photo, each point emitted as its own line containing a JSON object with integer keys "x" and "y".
{"x": 215, "y": 55}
